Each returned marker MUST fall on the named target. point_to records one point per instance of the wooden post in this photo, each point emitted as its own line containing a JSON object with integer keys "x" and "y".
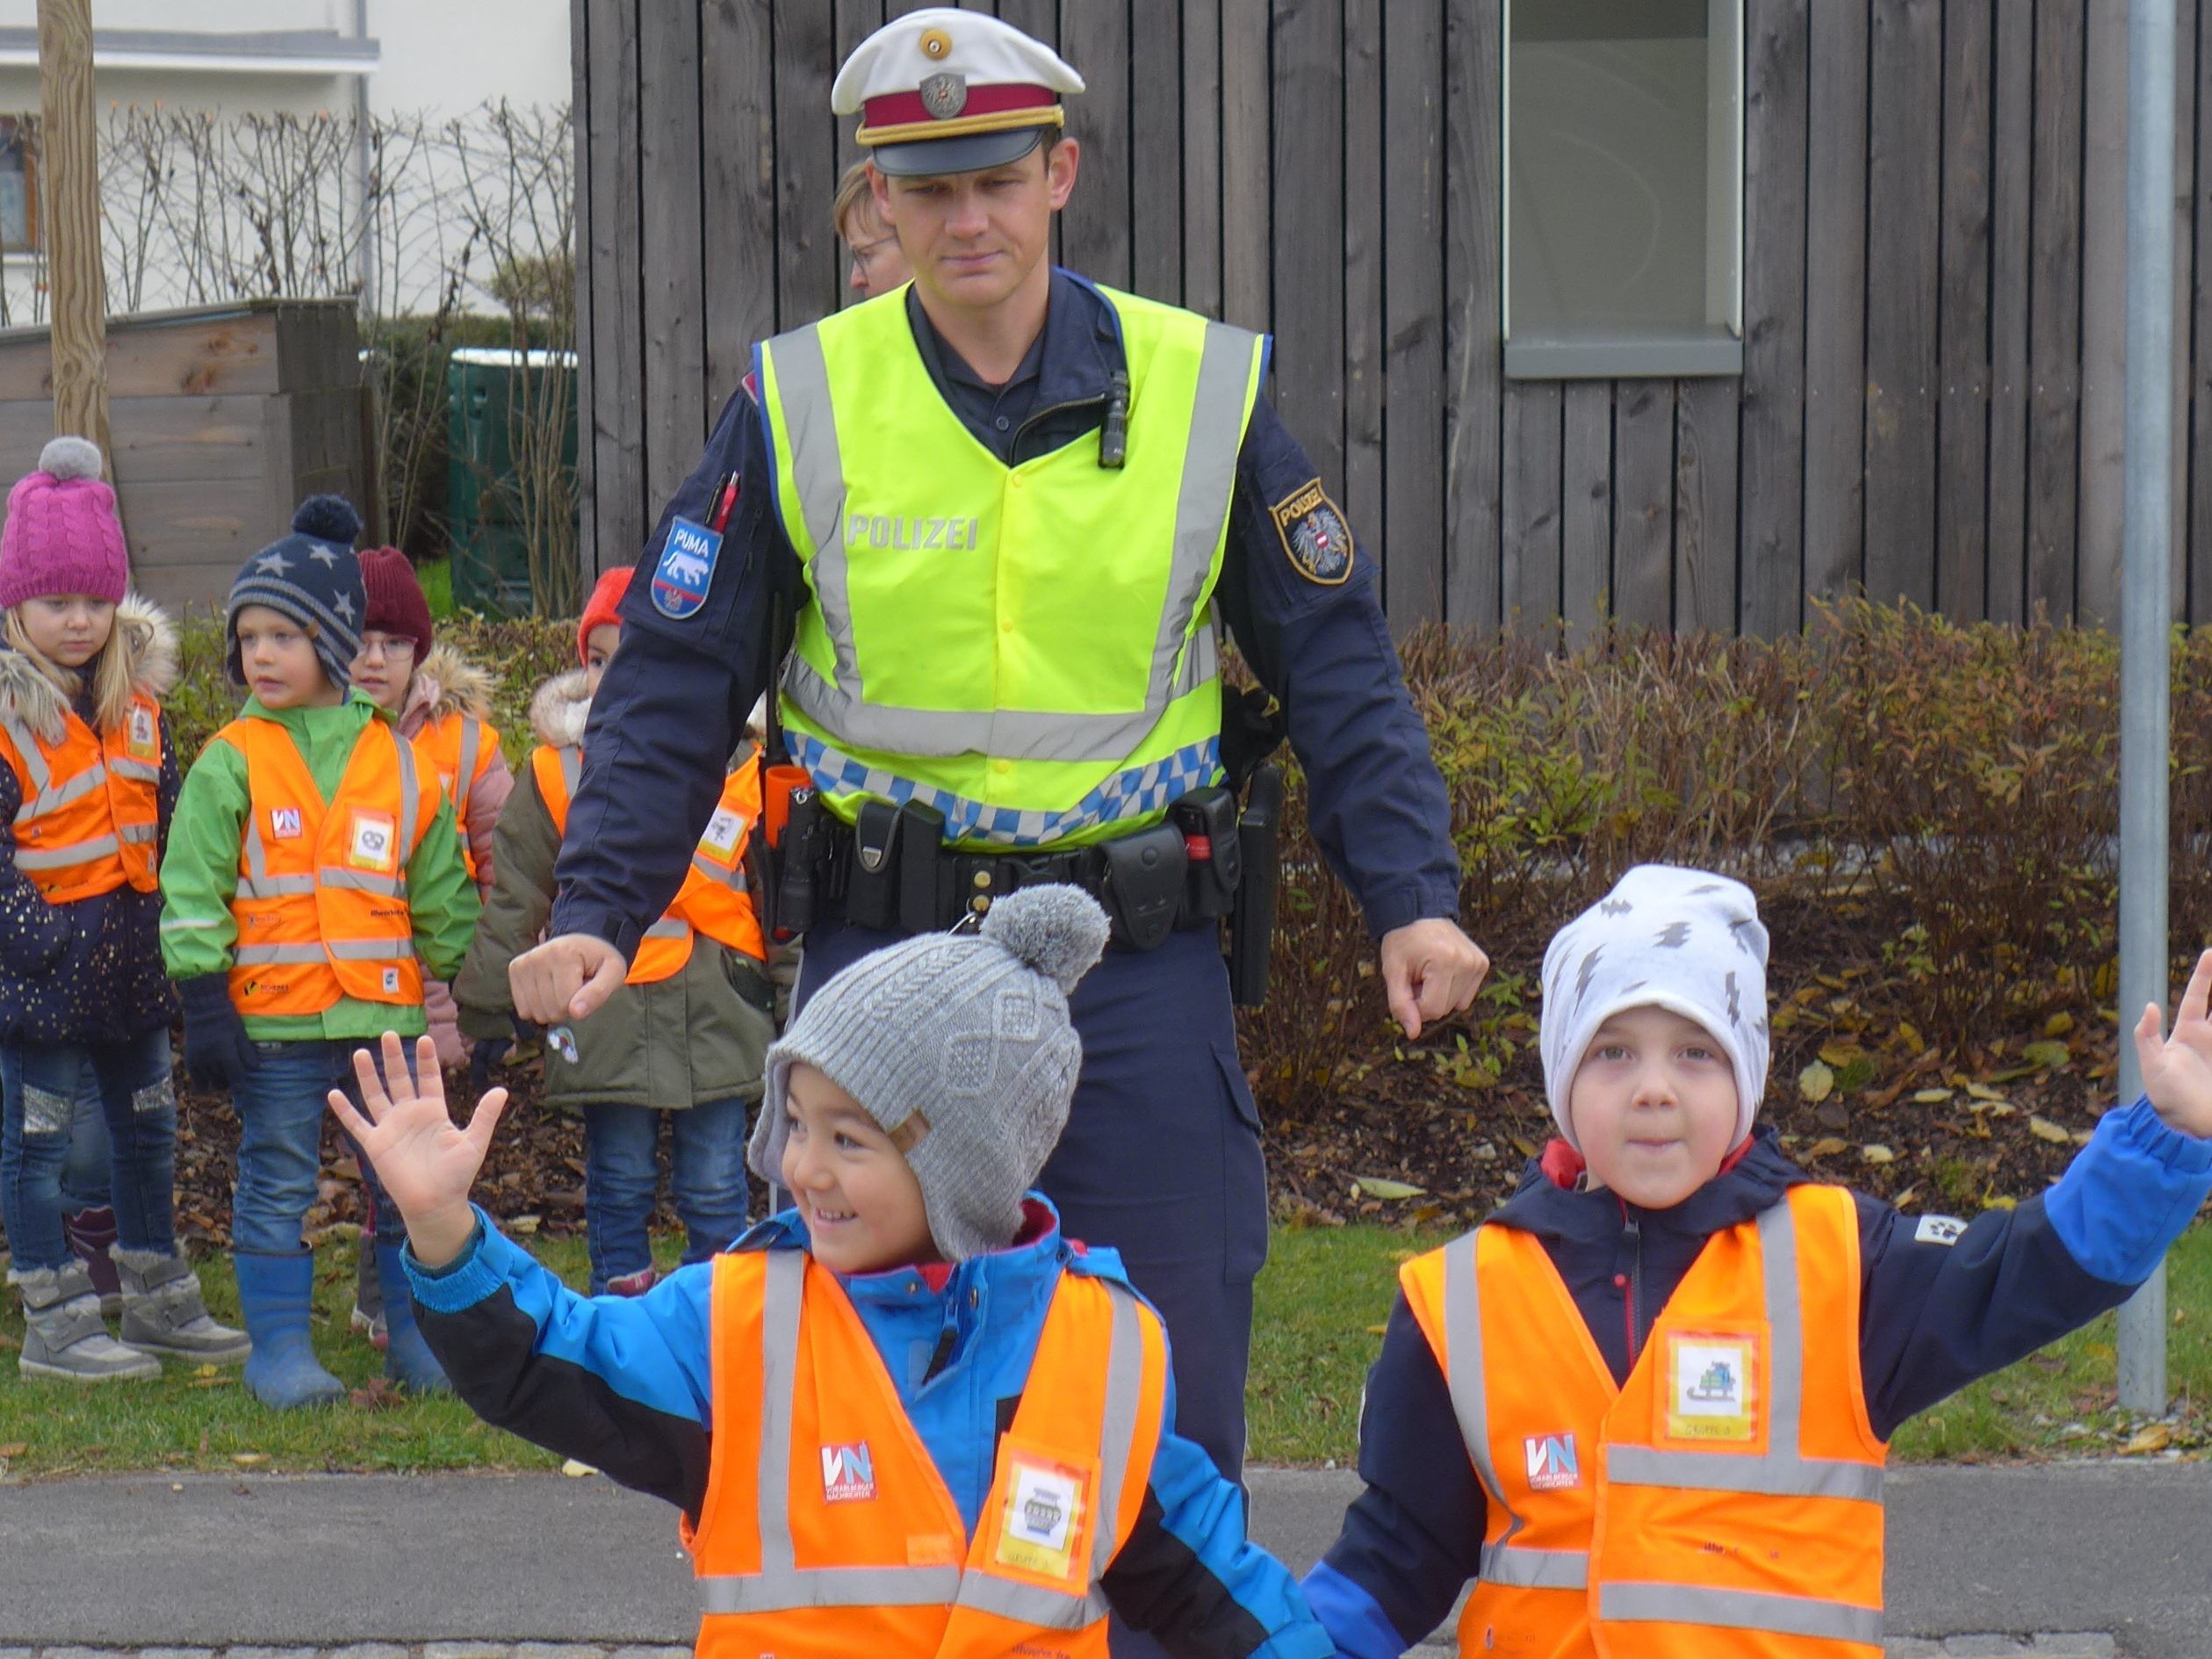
{"x": 71, "y": 221}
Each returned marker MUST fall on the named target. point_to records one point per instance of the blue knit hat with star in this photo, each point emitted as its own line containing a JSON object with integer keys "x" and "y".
{"x": 312, "y": 576}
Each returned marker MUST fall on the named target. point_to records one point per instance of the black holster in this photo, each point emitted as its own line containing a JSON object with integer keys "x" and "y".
{"x": 1252, "y": 925}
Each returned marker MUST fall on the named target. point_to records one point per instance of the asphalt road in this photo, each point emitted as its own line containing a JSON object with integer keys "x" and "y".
{"x": 202, "y": 1559}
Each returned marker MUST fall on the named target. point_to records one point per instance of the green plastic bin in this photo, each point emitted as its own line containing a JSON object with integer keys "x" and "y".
{"x": 491, "y": 554}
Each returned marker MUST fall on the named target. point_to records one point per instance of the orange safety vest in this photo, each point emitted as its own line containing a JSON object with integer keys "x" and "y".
{"x": 462, "y": 748}
{"x": 826, "y": 1528}
{"x": 714, "y": 900}
{"x": 1728, "y": 1500}
{"x": 321, "y": 903}
{"x": 91, "y": 814}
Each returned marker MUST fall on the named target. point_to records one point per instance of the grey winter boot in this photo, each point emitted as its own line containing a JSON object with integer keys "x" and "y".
{"x": 162, "y": 1312}
{"x": 64, "y": 1334}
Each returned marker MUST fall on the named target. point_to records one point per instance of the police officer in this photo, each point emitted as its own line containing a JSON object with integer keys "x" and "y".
{"x": 1003, "y": 508}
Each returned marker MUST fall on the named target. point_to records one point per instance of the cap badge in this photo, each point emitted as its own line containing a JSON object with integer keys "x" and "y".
{"x": 944, "y": 95}
{"x": 935, "y": 43}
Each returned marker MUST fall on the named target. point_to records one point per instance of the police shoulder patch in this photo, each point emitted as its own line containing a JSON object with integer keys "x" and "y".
{"x": 1315, "y": 538}
{"x": 686, "y": 570}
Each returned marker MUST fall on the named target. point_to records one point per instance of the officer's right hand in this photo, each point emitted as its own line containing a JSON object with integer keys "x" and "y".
{"x": 567, "y": 978}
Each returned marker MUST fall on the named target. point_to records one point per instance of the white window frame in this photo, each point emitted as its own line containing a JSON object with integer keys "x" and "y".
{"x": 1718, "y": 348}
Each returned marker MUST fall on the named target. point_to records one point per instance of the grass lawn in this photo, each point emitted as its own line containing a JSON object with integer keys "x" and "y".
{"x": 1321, "y": 1305}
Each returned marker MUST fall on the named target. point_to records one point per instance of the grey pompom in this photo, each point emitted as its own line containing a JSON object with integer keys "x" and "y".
{"x": 1058, "y": 930}
{"x": 68, "y": 457}
{"x": 327, "y": 518}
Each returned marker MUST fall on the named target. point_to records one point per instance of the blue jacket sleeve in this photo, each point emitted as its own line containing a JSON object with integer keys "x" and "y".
{"x": 672, "y": 706}
{"x": 1375, "y": 802}
{"x": 1189, "y": 1572}
{"x": 1413, "y": 1538}
{"x": 1943, "y": 1306}
{"x": 621, "y": 1383}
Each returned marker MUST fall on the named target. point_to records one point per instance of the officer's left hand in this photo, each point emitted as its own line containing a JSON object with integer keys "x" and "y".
{"x": 2177, "y": 1072}
{"x": 1429, "y": 969}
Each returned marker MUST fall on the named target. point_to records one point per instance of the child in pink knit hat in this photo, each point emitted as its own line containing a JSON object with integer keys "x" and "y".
{"x": 88, "y": 780}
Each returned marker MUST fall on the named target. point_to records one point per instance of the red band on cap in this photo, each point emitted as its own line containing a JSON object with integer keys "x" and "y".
{"x": 897, "y": 109}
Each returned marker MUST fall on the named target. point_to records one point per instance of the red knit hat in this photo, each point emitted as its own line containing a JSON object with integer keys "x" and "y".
{"x": 604, "y": 606}
{"x": 396, "y": 604}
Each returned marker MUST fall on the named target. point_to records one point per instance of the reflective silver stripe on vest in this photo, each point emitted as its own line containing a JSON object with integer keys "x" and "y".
{"x": 732, "y": 876}
{"x": 60, "y": 794}
{"x": 134, "y": 832}
{"x": 408, "y": 803}
{"x": 248, "y": 956}
{"x": 1470, "y": 1400}
{"x": 471, "y": 740}
{"x": 840, "y": 706}
{"x": 781, "y": 1585}
{"x": 572, "y": 769}
{"x": 1781, "y": 1471}
{"x": 1526, "y": 1569}
{"x": 141, "y": 771}
{"x": 60, "y": 857}
{"x": 27, "y": 746}
{"x": 274, "y": 886}
{"x": 329, "y": 950}
{"x": 362, "y": 881}
{"x": 669, "y": 927}
{"x": 1740, "y": 1610}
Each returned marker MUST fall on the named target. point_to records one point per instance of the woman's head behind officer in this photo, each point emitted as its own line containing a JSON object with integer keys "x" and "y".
{"x": 877, "y": 265}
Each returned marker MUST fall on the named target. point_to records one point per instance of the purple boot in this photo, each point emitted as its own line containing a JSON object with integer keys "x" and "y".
{"x": 89, "y": 1233}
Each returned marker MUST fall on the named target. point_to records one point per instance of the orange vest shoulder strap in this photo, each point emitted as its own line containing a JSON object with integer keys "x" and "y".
{"x": 558, "y": 771}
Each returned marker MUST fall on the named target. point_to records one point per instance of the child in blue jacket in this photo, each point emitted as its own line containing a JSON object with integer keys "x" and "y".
{"x": 907, "y": 1415}
{"x": 1648, "y": 1401}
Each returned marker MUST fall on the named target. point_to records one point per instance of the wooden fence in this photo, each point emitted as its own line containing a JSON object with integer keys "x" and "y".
{"x": 1935, "y": 283}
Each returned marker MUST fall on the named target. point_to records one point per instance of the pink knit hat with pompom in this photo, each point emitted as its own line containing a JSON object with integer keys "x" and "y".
{"x": 62, "y": 535}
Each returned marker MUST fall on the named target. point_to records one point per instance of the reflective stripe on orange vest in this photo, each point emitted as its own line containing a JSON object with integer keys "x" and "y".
{"x": 880, "y": 1562}
{"x": 461, "y": 747}
{"x": 90, "y": 817}
{"x": 1605, "y": 1504}
{"x": 320, "y": 902}
{"x": 714, "y": 898}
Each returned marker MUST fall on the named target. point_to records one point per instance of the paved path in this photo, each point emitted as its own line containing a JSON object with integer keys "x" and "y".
{"x": 2114, "y": 1558}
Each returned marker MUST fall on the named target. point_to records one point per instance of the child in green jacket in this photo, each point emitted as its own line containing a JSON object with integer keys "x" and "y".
{"x": 314, "y": 873}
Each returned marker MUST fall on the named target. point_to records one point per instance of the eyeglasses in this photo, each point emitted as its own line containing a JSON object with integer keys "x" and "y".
{"x": 390, "y": 650}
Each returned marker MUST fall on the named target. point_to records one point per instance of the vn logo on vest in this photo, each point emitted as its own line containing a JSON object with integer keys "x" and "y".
{"x": 878, "y": 530}
{"x": 848, "y": 1473}
{"x": 1552, "y": 1464}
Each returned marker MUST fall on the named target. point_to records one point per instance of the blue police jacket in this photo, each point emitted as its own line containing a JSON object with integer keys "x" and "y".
{"x": 676, "y": 695}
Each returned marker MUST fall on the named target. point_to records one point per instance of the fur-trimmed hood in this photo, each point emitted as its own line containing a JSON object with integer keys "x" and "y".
{"x": 446, "y": 682}
{"x": 559, "y": 710}
{"x": 30, "y": 692}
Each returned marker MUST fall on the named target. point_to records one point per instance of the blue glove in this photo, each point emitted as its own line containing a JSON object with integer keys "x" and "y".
{"x": 218, "y": 1053}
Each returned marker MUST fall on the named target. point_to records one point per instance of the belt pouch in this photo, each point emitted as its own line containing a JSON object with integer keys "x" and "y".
{"x": 1144, "y": 877}
{"x": 924, "y": 868}
{"x": 871, "y": 899}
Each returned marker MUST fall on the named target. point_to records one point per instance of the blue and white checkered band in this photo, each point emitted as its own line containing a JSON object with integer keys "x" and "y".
{"x": 1133, "y": 793}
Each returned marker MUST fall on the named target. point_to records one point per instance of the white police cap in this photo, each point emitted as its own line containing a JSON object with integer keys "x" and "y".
{"x": 943, "y": 90}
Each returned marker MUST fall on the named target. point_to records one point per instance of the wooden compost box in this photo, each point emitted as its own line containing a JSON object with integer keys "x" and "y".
{"x": 222, "y": 418}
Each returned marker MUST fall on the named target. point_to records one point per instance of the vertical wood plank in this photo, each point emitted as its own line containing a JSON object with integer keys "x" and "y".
{"x": 1473, "y": 338}
{"x": 1155, "y": 144}
{"x": 1904, "y": 239}
{"x": 1247, "y": 151}
{"x": 2104, "y": 314}
{"x": 1531, "y": 504}
{"x": 2198, "y": 587}
{"x": 2011, "y": 188}
{"x": 1706, "y": 457}
{"x": 1586, "y": 509}
{"x": 1412, "y": 196}
{"x": 1961, "y": 488}
{"x": 1309, "y": 227}
{"x": 1835, "y": 301}
{"x": 2054, "y": 344}
{"x": 2187, "y": 21}
{"x": 1039, "y": 20}
{"x": 1644, "y": 503}
{"x": 1776, "y": 36}
{"x": 1201, "y": 27}
{"x": 617, "y": 424}
{"x": 806, "y": 283}
{"x": 1360, "y": 54}
{"x": 856, "y": 20}
{"x": 738, "y": 131}
{"x": 672, "y": 285}
{"x": 1094, "y": 229}
{"x": 580, "y": 62}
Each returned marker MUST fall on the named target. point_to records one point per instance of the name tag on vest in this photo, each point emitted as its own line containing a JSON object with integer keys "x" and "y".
{"x": 724, "y": 830}
{"x": 141, "y": 738}
{"x": 1045, "y": 1502}
{"x": 373, "y": 842}
{"x": 1710, "y": 1386}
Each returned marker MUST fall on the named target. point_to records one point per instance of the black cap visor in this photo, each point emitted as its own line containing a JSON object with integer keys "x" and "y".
{"x": 969, "y": 153}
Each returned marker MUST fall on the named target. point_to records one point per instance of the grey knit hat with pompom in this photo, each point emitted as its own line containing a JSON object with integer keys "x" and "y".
{"x": 970, "y": 1030}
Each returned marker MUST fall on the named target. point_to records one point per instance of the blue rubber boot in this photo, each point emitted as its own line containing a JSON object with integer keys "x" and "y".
{"x": 276, "y": 1295}
{"x": 407, "y": 1358}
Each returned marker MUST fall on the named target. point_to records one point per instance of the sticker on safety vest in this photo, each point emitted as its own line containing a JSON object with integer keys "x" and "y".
{"x": 680, "y": 580}
{"x": 1552, "y": 1464}
{"x": 1044, "y": 1513}
{"x": 1939, "y": 1229}
{"x": 1710, "y": 1387}
{"x": 724, "y": 830}
{"x": 373, "y": 842}
{"x": 284, "y": 823}
{"x": 140, "y": 738}
{"x": 848, "y": 1473}
{"x": 391, "y": 981}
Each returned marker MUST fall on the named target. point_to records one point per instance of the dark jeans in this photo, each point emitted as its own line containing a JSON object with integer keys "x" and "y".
{"x": 281, "y": 1104}
{"x": 41, "y": 1088}
{"x": 706, "y": 1175}
{"x": 84, "y": 1177}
